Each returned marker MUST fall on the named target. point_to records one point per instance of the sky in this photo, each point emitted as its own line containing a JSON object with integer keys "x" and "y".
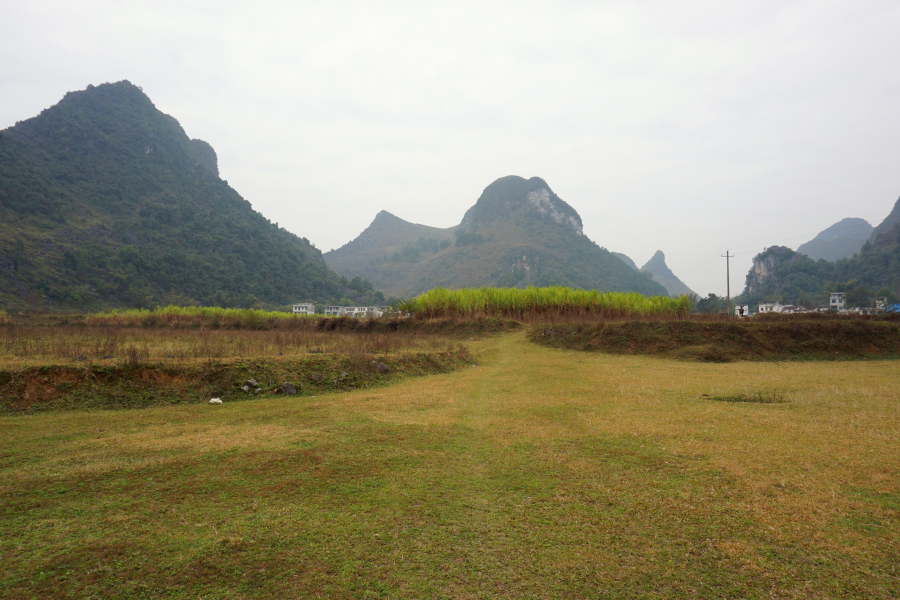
{"x": 694, "y": 128}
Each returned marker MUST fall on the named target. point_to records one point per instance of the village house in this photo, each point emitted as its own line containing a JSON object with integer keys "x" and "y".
{"x": 354, "y": 311}
{"x": 305, "y": 308}
{"x": 769, "y": 306}
{"x": 837, "y": 301}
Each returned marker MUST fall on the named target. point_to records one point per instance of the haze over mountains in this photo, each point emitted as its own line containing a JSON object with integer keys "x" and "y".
{"x": 106, "y": 202}
{"x": 789, "y": 276}
{"x": 660, "y": 271}
{"x": 517, "y": 233}
{"x": 843, "y": 239}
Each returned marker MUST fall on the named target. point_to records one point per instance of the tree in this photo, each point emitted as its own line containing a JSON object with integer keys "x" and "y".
{"x": 858, "y": 296}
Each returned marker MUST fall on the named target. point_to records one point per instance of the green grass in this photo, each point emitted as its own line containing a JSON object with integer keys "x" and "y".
{"x": 540, "y": 473}
{"x": 551, "y": 301}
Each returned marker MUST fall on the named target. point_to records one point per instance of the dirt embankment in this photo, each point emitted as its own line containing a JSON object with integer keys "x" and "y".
{"x": 730, "y": 341}
{"x": 61, "y": 387}
{"x": 446, "y": 327}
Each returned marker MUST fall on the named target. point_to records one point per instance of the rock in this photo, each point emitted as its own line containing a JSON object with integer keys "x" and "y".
{"x": 252, "y": 383}
{"x": 216, "y": 401}
{"x": 316, "y": 377}
{"x": 246, "y": 388}
{"x": 258, "y": 390}
{"x": 381, "y": 367}
{"x": 344, "y": 374}
{"x": 289, "y": 388}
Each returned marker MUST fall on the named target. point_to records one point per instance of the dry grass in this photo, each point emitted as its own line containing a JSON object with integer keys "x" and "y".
{"x": 27, "y": 345}
{"x": 540, "y": 473}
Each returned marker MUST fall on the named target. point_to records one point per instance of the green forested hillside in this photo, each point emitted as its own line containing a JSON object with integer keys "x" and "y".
{"x": 782, "y": 274}
{"x": 518, "y": 233}
{"x": 105, "y": 201}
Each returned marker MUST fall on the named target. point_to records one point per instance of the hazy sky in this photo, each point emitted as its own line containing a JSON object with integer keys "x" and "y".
{"x": 689, "y": 127}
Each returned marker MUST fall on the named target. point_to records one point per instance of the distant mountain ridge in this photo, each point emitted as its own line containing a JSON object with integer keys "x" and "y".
{"x": 843, "y": 239}
{"x": 795, "y": 277}
{"x": 517, "y": 233}
{"x": 892, "y": 219}
{"x": 106, "y": 202}
{"x": 625, "y": 259}
{"x": 660, "y": 271}
{"x": 779, "y": 273}
{"x": 377, "y": 255}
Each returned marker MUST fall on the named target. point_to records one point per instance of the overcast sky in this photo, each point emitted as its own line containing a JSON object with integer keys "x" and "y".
{"x": 686, "y": 127}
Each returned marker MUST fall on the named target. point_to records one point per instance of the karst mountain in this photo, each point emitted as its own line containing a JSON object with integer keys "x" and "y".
{"x": 517, "y": 233}
{"x": 106, "y": 202}
{"x": 790, "y": 276}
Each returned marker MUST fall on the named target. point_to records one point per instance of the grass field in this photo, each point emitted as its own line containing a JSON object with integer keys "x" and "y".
{"x": 539, "y": 473}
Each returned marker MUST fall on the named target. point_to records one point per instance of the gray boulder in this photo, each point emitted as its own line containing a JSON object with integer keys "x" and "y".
{"x": 381, "y": 367}
{"x": 289, "y": 388}
{"x": 252, "y": 383}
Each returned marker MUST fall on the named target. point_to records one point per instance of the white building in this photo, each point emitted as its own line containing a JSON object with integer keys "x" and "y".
{"x": 305, "y": 308}
{"x": 837, "y": 301}
{"x": 792, "y": 309}
{"x": 768, "y": 306}
{"x": 354, "y": 311}
{"x": 744, "y": 313}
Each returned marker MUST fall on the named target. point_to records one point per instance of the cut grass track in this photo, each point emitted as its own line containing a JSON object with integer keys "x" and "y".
{"x": 541, "y": 473}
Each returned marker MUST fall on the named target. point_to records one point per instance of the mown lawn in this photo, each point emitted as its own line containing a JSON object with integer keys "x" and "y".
{"x": 539, "y": 473}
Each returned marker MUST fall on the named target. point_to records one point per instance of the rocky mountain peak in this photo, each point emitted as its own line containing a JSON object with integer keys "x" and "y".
{"x": 661, "y": 272}
{"x": 511, "y": 197}
{"x": 764, "y": 265}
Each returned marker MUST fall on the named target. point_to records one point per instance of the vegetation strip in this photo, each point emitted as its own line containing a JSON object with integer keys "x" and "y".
{"x": 553, "y": 301}
{"x": 820, "y": 339}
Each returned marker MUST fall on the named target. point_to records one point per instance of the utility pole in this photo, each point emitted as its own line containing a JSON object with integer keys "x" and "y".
{"x": 727, "y": 256}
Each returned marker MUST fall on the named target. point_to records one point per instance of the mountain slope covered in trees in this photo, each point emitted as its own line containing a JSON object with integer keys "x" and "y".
{"x": 780, "y": 273}
{"x": 106, "y": 202}
{"x": 518, "y": 233}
